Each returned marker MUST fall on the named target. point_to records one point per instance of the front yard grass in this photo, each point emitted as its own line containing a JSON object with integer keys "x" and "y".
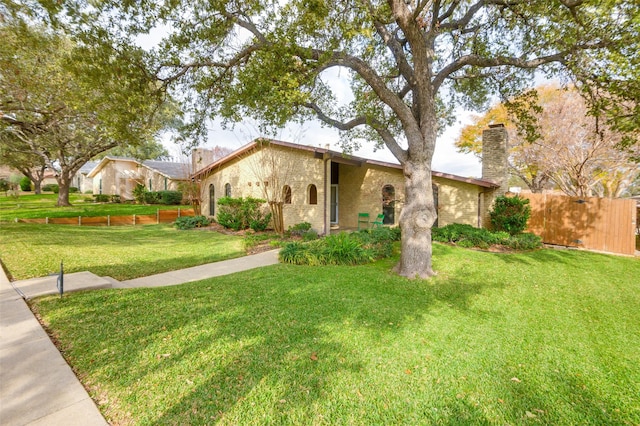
{"x": 121, "y": 252}
{"x": 32, "y": 206}
{"x": 544, "y": 337}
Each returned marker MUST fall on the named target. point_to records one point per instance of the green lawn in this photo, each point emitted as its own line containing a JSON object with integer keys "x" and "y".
{"x": 546, "y": 337}
{"x": 31, "y": 206}
{"x": 121, "y": 252}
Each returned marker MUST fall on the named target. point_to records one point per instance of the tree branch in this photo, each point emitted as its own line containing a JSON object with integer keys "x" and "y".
{"x": 388, "y": 138}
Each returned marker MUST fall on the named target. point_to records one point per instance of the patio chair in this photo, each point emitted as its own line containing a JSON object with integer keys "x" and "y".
{"x": 363, "y": 220}
{"x": 378, "y": 222}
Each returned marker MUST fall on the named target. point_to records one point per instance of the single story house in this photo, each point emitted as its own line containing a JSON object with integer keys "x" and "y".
{"x": 118, "y": 175}
{"x": 329, "y": 189}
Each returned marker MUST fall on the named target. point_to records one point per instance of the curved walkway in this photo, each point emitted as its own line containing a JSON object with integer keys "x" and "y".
{"x": 37, "y": 386}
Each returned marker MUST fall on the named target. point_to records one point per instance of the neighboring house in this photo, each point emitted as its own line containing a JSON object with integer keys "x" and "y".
{"x": 81, "y": 180}
{"x": 116, "y": 175}
{"x": 329, "y": 189}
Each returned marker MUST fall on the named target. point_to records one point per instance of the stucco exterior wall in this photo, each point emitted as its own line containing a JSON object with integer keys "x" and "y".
{"x": 359, "y": 188}
{"x": 121, "y": 177}
{"x": 457, "y": 202}
{"x": 295, "y": 168}
{"x": 360, "y": 191}
{"x": 112, "y": 179}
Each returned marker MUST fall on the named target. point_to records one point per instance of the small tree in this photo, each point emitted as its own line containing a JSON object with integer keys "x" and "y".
{"x": 510, "y": 214}
{"x": 272, "y": 172}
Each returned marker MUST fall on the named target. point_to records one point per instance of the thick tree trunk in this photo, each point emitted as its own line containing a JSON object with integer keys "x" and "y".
{"x": 64, "y": 182}
{"x": 416, "y": 219}
{"x": 37, "y": 186}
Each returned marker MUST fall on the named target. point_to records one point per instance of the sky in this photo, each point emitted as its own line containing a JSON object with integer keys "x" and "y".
{"x": 446, "y": 159}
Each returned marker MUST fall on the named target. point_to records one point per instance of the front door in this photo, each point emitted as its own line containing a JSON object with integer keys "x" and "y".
{"x": 334, "y": 204}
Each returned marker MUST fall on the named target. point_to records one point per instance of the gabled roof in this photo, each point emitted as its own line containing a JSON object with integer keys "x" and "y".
{"x": 171, "y": 170}
{"x": 87, "y": 167}
{"x": 335, "y": 156}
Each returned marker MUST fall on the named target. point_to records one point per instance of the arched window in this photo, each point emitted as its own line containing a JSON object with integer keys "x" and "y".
{"x": 212, "y": 200}
{"x": 286, "y": 194}
{"x": 227, "y": 190}
{"x": 389, "y": 204}
{"x": 313, "y": 194}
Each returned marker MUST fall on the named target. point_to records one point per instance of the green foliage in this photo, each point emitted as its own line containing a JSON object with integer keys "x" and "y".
{"x": 51, "y": 187}
{"x": 102, "y": 198}
{"x": 170, "y": 197}
{"x": 115, "y": 198}
{"x": 242, "y": 213}
{"x": 341, "y": 249}
{"x": 73, "y": 190}
{"x": 5, "y": 185}
{"x": 468, "y": 236}
{"x": 526, "y": 241}
{"x": 299, "y": 229}
{"x": 190, "y": 222}
{"x": 151, "y": 197}
{"x": 287, "y": 344}
{"x": 510, "y": 214}
{"x": 310, "y": 235}
{"x": 25, "y": 184}
{"x": 139, "y": 193}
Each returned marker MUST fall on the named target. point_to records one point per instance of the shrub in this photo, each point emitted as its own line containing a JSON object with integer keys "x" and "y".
{"x": 25, "y": 184}
{"x": 73, "y": 190}
{"x": 51, "y": 187}
{"x": 115, "y": 198}
{"x": 341, "y": 249}
{"x": 151, "y": 197}
{"x": 468, "y": 236}
{"x": 526, "y": 241}
{"x": 138, "y": 193}
{"x": 102, "y": 198}
{"x": 170, "y": 197}
{"x": 299, "y": 229}
{"x": 310, "y": 235}
{"x": 242, "y": 213}
{"x": 5, "y": 185}
{"x": 260, "y": 224}
{"x": 190, "y": 222}
{"x": 510, "y": 214}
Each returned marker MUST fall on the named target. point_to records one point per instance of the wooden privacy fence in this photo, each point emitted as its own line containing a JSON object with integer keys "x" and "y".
{"x": 592, "y": 223}
{"x": 161, "y": 216}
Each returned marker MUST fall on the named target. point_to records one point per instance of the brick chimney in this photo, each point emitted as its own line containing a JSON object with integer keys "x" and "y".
{"x": 200, "y": 158}
{"x": 495, "y": 166}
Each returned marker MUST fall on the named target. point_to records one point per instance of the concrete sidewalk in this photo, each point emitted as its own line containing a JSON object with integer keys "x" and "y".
{"x": 37, "y": 386}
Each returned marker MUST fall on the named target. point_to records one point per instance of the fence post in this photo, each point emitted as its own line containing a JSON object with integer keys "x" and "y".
{"x": 178, "y": 211}
{"x": 157, "y": 216}
{"x": 134, "y": 219}
{"x": 46, "y": 220}
{"x": 108, "y": 220}
{"x": 79, "y": 220}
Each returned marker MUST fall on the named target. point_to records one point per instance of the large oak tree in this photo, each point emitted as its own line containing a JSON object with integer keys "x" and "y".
{"x": 62, "y": 102}
{"x": 409, "y": 62}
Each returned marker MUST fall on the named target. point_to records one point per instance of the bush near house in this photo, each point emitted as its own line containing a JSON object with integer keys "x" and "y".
{"x": 143, "y": 196}
{"x": 468, "y": 236}
{"x": 242, "y": 213}
{"x": 510, "y": 214}
{"x": 355, "y": 248}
